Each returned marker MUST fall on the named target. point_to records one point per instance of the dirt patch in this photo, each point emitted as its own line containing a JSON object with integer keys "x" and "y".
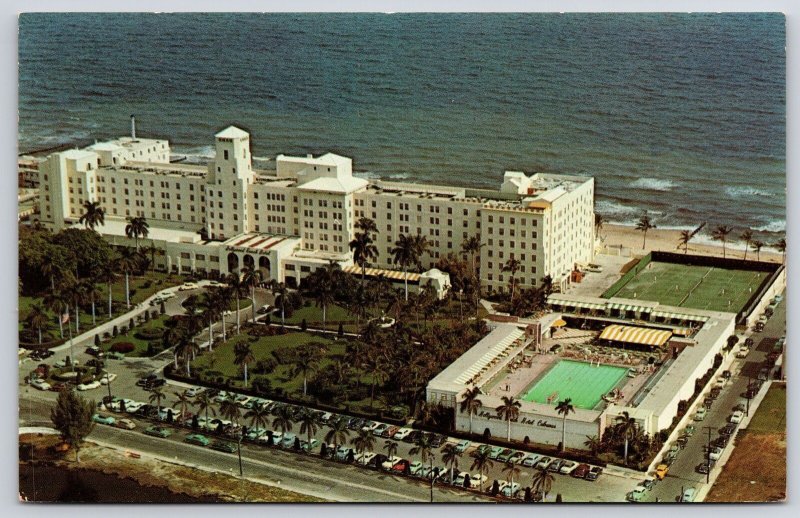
{"x": 152, "y": 472}
{"x": 740, "y": 482}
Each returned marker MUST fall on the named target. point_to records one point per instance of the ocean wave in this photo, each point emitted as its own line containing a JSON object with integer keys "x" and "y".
{"x": 653, "y": 184}
{"x": 198, "y": 152}
{"x": 746, "y": 192}
{"x": 612, "y": 208}
{"x": 774, "y": 225}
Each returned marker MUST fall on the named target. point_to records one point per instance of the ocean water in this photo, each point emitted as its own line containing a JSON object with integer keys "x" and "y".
{"x": 682, "y": 115}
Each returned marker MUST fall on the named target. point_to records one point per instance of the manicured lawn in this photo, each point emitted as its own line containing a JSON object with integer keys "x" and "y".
{"x": 771, "y": 414}
{"x": 139, "y": 343}
{"x": 141, "y": 288}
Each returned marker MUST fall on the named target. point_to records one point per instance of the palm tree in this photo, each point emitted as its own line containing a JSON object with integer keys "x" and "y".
{"x": 309, "y": 423}
{"x": 127, "y": 263}
{"x": 593, "y": 443}
{"x": 137, "y": 227}
{"x": 242, "y": 356}
{"x": 90, "y": 290}
{"x": 57, "y": 301}
{"x": 542, "y": 481}
{"x": 599, "y": 220}
{"x": 720, "y": 233}
{"x": 338, "y": 433}
{"x": 280, "y": 291}
{"x": 156, "y": 395}
{"x": 391, "y": 448}
{"x": 472, "y": 246}
{"x": 512, "y": 470}
{"x": 471, "y": 404}
{"x": 564, "y": 408}
{"x": 37, "y": 319}
{"x": 683, "y": 241}
{"x": 305, "y": 363}
{"x": 204, "y": 405}
{"x": 512, "y": 265}
{"x": 324, "y": 288}
{"x": 284, "y": 418}
{"x": 403, "y": 254}
{"x": 450, "y": 456}
{"x": 223, "y": 299}
{"x": 644, "y": 225}
{"x": 251, "y": 277}
{"x": 229, "y": 410}
{"x": 51, "y": 270}
{"x": 93, "y": 215}
{"x": 747, "y": 237}
{"x": 482, "y": 463}
{"x": 627, "y": 428}
{"x": 258, "y": 416}
{"x": 363, "y": 245}
{"x": 757, "y": 245}
{"x": 183, "y": 401}
{"x": 210, "y": 308}
{"x": 108, "y": 275}
{"x": 422, "y": 446}
{"x": 363, "y": 441}
{"x": 77, "y": 295}
{"x": 234, "y": 282}
{"x": 780, "y": 245}
{"x": 185, "y": 349}
{"x": 509, "y": 411}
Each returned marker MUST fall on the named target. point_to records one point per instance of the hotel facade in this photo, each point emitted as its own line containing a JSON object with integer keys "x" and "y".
{"x": 302, "y": 214}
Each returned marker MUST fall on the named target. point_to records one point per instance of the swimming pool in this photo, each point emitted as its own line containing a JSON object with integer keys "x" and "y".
{"x": 584, "y": 383}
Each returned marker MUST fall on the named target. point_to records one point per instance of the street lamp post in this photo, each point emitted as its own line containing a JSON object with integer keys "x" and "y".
{"x": 431, "y": 475}
{"x": 747, "y": 408}
{"x": 708, "y": 455}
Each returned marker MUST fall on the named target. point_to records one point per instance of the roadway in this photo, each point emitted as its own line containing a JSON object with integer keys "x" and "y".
{"x": 682, "y": 473}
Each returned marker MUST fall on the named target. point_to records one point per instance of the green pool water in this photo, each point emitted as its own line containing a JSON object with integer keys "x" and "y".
{"x": 582, "y": 382}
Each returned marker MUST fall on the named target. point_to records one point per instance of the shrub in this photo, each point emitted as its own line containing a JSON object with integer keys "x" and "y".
{"x": 268, "y": 320}
{"x": 154, "y": 314}
{"x": 340, "y": 332}
{"x": 123, "y": 330}
{"x": 131, "y": 324}
{"x": 162, "y": 308}
{"x": 106, "y": 336}
{"x": 303, "y": 325}
{"x": 147, "y": 316}
{"x": 150, "y": 333}
{"x": 97, "y": 340}
{"x": 122, "y": 347}
{"x": 115, "y": 332}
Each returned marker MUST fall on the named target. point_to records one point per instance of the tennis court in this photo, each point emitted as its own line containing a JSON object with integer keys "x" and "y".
{"x": 699, "y": 287}
{"x": 585, "y": 384}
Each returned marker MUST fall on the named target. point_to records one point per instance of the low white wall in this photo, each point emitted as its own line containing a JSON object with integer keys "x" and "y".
{"x": 776, "y": 288}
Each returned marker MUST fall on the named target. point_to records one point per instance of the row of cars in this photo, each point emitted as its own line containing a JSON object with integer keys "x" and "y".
{"x": 535, "y": 460}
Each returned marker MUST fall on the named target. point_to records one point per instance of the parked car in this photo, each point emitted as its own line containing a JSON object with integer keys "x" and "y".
{"x": 510, "y": 490}
{"x": 567, "y": 467}
{"x": 103, "y": 419}
{"x": 700, "y": 414}
{"x": 531, "y": 460}
{"x": 89, "y": 386}
{"x": 437, "y": 440}
{"x": 126, "y": 424}
{"x": 115, "y": 356}
{"x": 636, "y": 495}
{"x": 225, "y": 446}
{"x": 309, "y": 446}
{"x": 365, "y": 458}
{"x": 715, "y": 453}
{"x": 495, "y": 451}
{"x": 107, "y": 378}
{"x": 688, "y": 494}
{"x": 736, "y": 417}
{"x": 415, "y": 468}
{"x": 555, "y": 465}
{"x": 188, "y": 286}
{"x": 544, "y": 462}
{"x": 648, "y": 483}
{"x": 476, "y": 480}
{"x": 40, "y": 384}
{"x": 158, "y": 431}
{"x": 390, "y": 462}
{"x": 581, "y": 471}
{"x": 743, "y": 352}
{"x": 463, "y": 445}
{"x": 196, "y": 438}
{"x": 661, "y": 471}
{"x": 194, "y": 391}
{"x": 728, "y": 429}
{"x": 342, "y": 452}
{"x": 390, "y": 432}
{"x": 378, "y": 430}
{"x": 505, "y": 455}
{"x": 689, "y": 430}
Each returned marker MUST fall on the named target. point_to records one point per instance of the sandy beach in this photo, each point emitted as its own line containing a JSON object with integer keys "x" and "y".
{"x": 667, "y": 241}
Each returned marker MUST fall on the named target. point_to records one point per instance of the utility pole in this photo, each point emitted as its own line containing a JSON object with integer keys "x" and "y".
{"x": 747, "y": 409}
{"x": 431, "y": 475}
{"x": 708, "y": 455}
{"x": 239, "y": 450}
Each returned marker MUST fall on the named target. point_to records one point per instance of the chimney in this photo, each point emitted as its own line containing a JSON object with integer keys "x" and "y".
{"x": 133, "y": 127}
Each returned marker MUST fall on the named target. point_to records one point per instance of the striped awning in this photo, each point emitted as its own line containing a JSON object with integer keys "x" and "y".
{"x": 680, "y": 316}
{"x": 392, "y": 275}
{"x": 557, "y": 301}
{"x": 630, "y": 307}
{"x": 636, "y": 335}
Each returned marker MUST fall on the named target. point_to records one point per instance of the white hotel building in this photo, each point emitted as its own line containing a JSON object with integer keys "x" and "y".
{"x": 295, "y": 218}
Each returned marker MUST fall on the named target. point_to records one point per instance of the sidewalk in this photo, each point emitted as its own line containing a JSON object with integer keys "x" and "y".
{"x": 88, "y": 336}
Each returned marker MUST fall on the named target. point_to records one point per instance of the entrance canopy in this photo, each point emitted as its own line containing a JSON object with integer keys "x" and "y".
{"x": 374, "y": 273}
{"x": 636, "y": 335}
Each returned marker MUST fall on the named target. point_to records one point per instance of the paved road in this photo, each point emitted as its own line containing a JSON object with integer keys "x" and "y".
{"x": 682, "y": 473}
